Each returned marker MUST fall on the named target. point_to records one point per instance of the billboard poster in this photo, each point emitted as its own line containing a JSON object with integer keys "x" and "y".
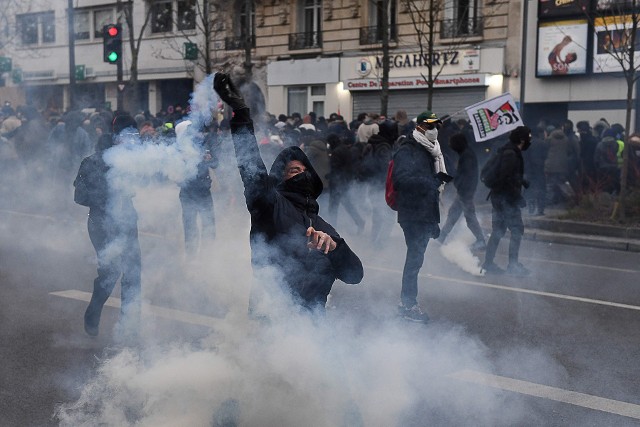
{"x": 612, "y": 36}
{"x": 555, "y": 8}
{"x": 562, "y": 48}
{"x": 603, "y": 5}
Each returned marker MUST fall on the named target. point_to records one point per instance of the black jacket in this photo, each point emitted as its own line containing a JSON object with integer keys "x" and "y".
{"x": 279, "y": 221}
{"x": 466, "y": 179}
{"x": 415, "y": 182}
{"x": 511, "y": 175}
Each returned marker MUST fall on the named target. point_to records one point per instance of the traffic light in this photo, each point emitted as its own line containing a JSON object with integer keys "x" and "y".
{"x": 112, "y": 43}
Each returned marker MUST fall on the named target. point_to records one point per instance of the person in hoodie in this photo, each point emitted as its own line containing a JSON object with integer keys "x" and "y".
{"x": 286, "y": 231}
{"x": 507, "y": 202}
{"x": 465, "y": 182}
{"x": 113, "y": 231}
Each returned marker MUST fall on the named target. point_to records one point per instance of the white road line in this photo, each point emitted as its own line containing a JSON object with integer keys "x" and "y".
{"x": 511, "y": 289}
{"x": 575, "y": 264}
{"x": 166, "y": 313}
{"x": 552, "y": 393}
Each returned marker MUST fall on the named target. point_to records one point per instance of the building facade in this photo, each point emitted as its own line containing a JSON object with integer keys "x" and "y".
{"x": 37, "y": 42}
{"x": 326, "y": 56}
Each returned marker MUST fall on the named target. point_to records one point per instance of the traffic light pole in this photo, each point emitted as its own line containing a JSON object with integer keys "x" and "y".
{"x": 120, "y": 105}
{"x": 72, "y": 56}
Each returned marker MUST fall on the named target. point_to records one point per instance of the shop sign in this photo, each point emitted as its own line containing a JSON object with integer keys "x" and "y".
{"x": 452, "y": 80}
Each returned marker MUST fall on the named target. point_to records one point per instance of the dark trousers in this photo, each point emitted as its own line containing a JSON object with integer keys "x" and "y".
{"x": 382, "y": 218}
{"x": 416, "y": 237}
{"x": 192, "y": 207}
{"x": 458, "y": 207}
{"x": 504, "y": 216}
{"x": 338, "y": 194}
{"x": 118, "y": 252}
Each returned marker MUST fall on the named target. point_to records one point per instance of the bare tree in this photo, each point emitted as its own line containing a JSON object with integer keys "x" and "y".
{"x": 616, "y": 24}
{"x": 207, "y": 23}
{"x": 135, "y": 40}
{"x": 427, "y": 17}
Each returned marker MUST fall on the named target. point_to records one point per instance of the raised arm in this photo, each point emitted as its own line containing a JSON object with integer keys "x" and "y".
{"x": 258, "y": 191}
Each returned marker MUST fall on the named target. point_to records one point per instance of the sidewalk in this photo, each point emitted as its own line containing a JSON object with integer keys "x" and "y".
{"x": 550, "y": 229}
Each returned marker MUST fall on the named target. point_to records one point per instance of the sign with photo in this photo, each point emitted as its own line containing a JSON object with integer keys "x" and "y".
{"x": 612, "y": 37}
{"x": 562, "y": 48}
{"x": 602, "y": 5}
{"x": 559, "y": 8}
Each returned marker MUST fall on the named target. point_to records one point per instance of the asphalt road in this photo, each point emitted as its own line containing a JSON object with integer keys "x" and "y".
{"x": 560, "y": 347}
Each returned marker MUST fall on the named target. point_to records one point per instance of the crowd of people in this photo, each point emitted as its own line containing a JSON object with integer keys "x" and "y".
{"x": 310, "y": 164}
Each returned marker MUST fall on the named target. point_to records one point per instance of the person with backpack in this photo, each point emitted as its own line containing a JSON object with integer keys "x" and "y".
{"x": 504, "y": 175}
{"x": 113, "y": 231}
{"x": 465, "y": 182}
{"x": 418, "y": 173}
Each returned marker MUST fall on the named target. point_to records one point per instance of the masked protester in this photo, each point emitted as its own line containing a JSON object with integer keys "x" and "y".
{"x": 286, "y": 231}
{"x": 507, "y": 202}
{"x": 418, "y": 176}
{"x": 113, "y": 231}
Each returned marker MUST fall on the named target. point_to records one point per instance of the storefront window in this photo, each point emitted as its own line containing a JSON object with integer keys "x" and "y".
{"x": 297, "y": 99}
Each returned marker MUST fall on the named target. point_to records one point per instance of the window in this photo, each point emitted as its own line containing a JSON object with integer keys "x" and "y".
{"x": 373, "y": 34}
{"x": 301, "y": 99}
{"x": 161, "y": 16}
{"x": 82, "y": 24}
{"x": 246, "y": 20}
{"x": 297, "y": 100}
{"x": 310, "y": 24}
{"x": 461, "y": 18}
{"x": 34, "y": 28}
{"x": 101, "y": 18}
{"x": 186, "y": 15}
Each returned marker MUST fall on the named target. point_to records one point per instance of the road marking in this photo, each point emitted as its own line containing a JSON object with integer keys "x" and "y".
{"x": 166, "y": 313}
{"x": 552, "y": 393}
{"x": 511, "y": 289}
{"x": 575, "y": 264}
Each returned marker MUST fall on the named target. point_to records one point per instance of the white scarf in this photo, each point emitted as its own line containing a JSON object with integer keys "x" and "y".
{"x": 433, "y": 148}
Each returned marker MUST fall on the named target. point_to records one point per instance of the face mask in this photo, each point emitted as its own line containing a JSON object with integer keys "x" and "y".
{"x": 301, "y": 183}
{"x": 526, "y": 145}
{"x": 431, "y": 134}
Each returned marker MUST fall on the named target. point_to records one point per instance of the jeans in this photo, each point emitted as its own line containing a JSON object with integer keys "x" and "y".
{"x": 416, "y": 237}
{"x": 504, "y": 216}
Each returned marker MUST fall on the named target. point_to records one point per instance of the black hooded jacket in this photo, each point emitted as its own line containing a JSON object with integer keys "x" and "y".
{"x": 280, "y": 218}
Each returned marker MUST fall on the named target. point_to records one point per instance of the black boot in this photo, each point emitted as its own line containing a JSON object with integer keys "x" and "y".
{"x": 93, "y": 313}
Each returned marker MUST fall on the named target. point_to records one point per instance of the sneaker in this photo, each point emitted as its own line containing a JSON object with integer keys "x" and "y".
{"x": 413, "y": 313}
{"x": 518, "y": 269}
{"x": 479, "y": 245}
{"x": 492, "y": 268}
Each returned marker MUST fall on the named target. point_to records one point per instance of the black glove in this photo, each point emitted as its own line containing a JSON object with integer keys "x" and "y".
{"x": 228, "y": 92}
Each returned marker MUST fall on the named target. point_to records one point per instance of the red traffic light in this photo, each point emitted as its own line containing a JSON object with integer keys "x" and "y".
{"x": 113, "y": 31}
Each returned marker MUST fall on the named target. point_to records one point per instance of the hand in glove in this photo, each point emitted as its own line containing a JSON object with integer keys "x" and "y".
{"x": 228, "y": 92}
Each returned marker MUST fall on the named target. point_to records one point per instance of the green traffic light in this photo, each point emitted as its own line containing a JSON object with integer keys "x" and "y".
{"x": 113, "y": 56}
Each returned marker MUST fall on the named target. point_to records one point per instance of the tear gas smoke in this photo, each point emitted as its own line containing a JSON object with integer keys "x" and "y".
{"x": 457, "y": 251}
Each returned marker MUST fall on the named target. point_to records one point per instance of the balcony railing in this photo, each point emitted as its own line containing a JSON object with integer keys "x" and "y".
{"x": 306, "y": 40}
{"x": 237, "y": 43}
{"x": 373, "y": 35}
{"x": 457, "y": 28}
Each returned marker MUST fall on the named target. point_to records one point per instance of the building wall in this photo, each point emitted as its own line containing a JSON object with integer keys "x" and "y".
{"x": 499, "y": 48}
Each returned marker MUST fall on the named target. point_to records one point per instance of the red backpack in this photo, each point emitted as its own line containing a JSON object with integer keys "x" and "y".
{"x": 390, "y": 192}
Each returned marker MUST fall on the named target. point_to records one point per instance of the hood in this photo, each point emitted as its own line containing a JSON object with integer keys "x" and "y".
{"x": 294, "y": 153}
{"x": 389, "y": 130}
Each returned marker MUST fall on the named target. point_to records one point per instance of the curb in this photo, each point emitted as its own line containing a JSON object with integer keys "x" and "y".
{"x": 576, "y": 227}
{"x": 599, "y": 241}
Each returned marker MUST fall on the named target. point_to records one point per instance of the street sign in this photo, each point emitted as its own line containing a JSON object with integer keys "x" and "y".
{"x": 190, "y": 51}
{"x": 5, "y": 64}
{"x": 80, "y": 72}
{"x": 121, "y": 87}
{"x": 16, "y": 76}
